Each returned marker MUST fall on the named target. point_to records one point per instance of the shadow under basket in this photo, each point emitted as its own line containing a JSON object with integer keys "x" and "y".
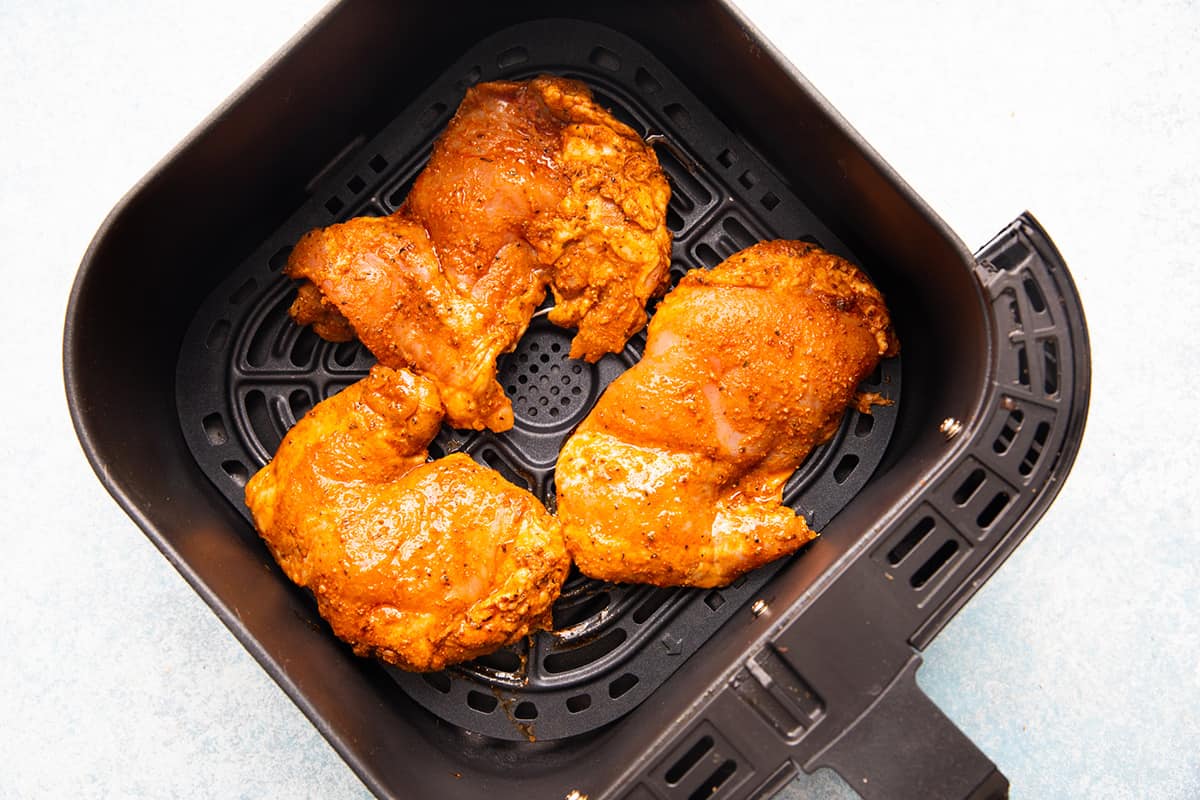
{"x": 638, "y": 693}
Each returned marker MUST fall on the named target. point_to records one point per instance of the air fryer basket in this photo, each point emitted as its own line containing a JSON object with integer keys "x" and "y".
{"x": 247, "y": 373}
{"x": 640, "y": 693}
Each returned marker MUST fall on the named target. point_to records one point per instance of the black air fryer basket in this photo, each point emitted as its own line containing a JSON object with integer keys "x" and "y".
{"x": 639, "y": 693}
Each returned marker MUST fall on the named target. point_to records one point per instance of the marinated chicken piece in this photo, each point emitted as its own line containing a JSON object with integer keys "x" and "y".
{"x": 607, "y": 240}
{"x": 676, "y": 477}
{"x": 422, "y": 564}
{"x": 384, "y": 275}
{"x": 529, "y": 183}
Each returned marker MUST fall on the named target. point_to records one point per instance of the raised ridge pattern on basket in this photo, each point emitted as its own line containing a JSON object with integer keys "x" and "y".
{"x": 247, "y": 373}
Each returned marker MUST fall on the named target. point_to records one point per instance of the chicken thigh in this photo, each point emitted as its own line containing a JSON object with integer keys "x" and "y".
{"x": 676, "y": 476}
{"x": 422, "y": 564}
{"x": 531, "y": 182}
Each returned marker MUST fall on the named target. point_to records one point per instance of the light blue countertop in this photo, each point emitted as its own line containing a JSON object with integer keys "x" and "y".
{"x": 1076, "y": 668}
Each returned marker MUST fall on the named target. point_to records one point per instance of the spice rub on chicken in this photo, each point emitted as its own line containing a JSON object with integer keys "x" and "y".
{"x": 676, "y": 476}
{"x": 531, "y": 183}
{"x": 421, "y": 563}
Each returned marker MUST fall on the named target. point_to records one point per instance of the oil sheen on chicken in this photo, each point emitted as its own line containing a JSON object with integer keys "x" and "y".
{"x": 531, "y": 182}
{"x": 420, "y": 563}
{"x": 676, "y": 476}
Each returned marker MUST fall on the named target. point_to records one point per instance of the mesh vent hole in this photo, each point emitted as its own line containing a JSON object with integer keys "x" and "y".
{"x": 356, "y": 184}
{"x": 675, "y": 222}
{"x": 377, "y": 163}
{"x": 471, "y": 78}
{"x": 714, "y": 782}
{"x": 501, "y": 660}
{"x": 678, "y": 114}
{"x": 748, "y": 179}
{"x": 398, "y": 196}
{"x": 714, "y": 600}
{"x": 742, "y": 238}
{"x": 299, "y": 402}
{"x": 875, "y": 379}
{"x": 845, "y": 467}
{"x": 1040, "y": 434}
{"x": 934, "y": 565}
{"x": 566, "y": 616}
{"x": 304, "y": 347}
{"x": 483, "y": 703}
{"x": 605, "y": 59}
{"x": 580, "y": 702}
{"x": 432, "y": 115}
{"x": 512, "y": 57}
{"x": 1036, "y": 301}
{"x": 526, "y": 710}
{"x": 346, "y": 353}
{"x": 864, "y": 424}
{"x": 622, "y": 685}
{"x": 214, "y": 429}
{"x": 707, "y": 256}
{"x": 587, "y": 654}
{"x": 1013, "y": 255}
{"x": 727, "y": 158}
{"x": 969, "y": 487}
{"x": 646, "y": 82}
{"x": 261, "y": 421}
{"x": 1050, "y": 367}
{"x": 1009, "y": 432}
{"x": 688, "y": 760}
{"x": 334, "y": 204}
{"x": 651, "y": 604}
{"x": 236, "y": 470}
{"x": 1022, "y": 365}
{"x": 686, "y": 191}
{"x": 438, "y": 680}
{"x": 279, "y": 260}
{"x": 911, "y": 539}
{"x": 992, "y": 510}
{"x": 725, "y": 247}
{"x": 769, "y": 201}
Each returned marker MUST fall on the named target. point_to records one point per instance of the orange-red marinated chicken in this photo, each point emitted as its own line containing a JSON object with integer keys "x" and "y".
{"x": 422, "y": 564}
{"x": 676, "y": 477}
{"x": 531, "y": 182}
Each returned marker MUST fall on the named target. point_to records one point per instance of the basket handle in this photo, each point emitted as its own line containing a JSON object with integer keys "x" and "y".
{"x": 904, "y": 748}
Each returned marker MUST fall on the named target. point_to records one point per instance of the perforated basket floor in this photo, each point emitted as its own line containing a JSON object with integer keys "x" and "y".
{"x": 246, "y": 373}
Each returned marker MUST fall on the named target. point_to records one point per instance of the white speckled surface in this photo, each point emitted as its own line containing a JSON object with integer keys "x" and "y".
{"x": 1077, "y": 668}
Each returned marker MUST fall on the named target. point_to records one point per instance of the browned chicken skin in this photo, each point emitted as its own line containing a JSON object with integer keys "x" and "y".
{"x": 530, "y": 182}
{"x": 676, "y": 476}
{"x": 422, "y": 564}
